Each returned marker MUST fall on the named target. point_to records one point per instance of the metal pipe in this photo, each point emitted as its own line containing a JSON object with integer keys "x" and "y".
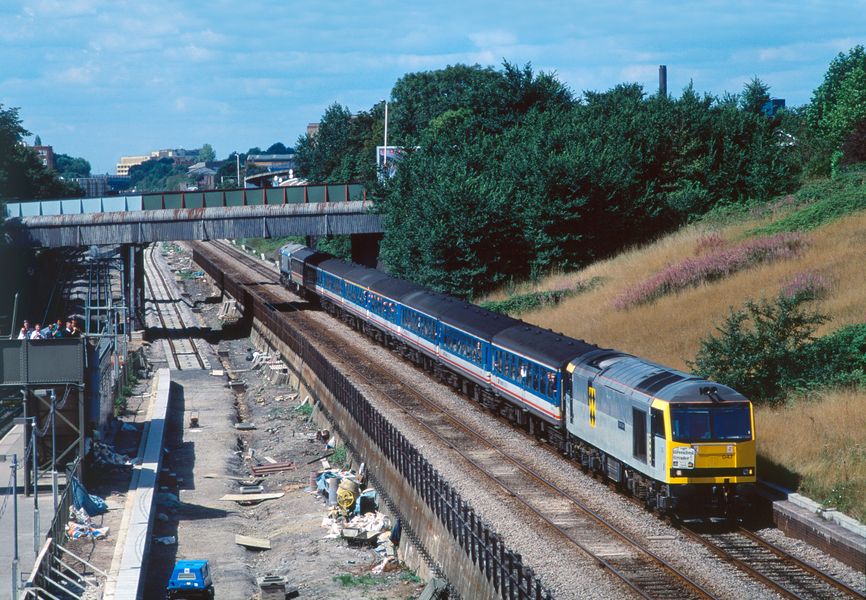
{"x": 54, "y": 450}
{"x": 36, "y": 545}
{"x": 131, "y": 287}
{"x": 12, "y": 335}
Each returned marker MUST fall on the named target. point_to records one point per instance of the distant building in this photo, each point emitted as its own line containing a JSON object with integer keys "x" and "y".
{"x": 772, "y": 106}
{"x": 271, "y": 162}
{"x": 179, "y": 156}
{"x": 204, "y": 174}
{"x": 46, "y": 153}
{"x": 102, "y": 185}
{"x": 312, "y": 129}
{"x": 127, "y": 162}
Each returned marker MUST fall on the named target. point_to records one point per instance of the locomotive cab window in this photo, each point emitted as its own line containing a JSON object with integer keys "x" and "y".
{"x": 711, "y": 423}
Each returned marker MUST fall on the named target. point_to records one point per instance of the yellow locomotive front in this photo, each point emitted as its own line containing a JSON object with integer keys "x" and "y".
{"x": 710, "y": 451}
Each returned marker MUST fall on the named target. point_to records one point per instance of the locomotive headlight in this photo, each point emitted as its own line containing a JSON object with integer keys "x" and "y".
{"x": 747, "y": 471}
{"x": 679, "y": 473}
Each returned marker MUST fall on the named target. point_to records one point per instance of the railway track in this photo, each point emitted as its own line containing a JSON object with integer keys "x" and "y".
{"x": 182, "y": 352}
{"x": 633, "y": 562}
{"x": 777, "y": 569}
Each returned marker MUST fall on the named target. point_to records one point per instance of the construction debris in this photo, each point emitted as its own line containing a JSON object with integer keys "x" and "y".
{"x": 76, "y": 531}
{"x": 259, "y": 470}
{"x": 245, "y": 426}
{"x": 252, "y": 497}
{"x": 251, "y": 542}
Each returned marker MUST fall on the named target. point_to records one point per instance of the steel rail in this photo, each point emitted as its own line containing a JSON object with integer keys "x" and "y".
{"x": 791, "y": 559}
{"x": 682, "y": 579}
{"x": 753, "y": 571}
{"x": 156, "y": 301}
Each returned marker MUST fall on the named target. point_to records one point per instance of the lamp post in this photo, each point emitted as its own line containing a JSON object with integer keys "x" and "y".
{"x": 54, "y": 451}
{"x": 14, "y": 492}
{"x": 238, "y": 159}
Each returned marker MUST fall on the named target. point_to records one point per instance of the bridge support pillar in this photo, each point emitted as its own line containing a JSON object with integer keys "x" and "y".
{"x": 138, "y": 281}
{"x": 365, "y": 249}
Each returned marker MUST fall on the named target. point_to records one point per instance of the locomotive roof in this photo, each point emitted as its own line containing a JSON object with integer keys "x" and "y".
{"x": 543, "y": 345}
{"x": 689, "y": 391}
{"x": 302, "y": 253}
{"x": 295, "y": 250}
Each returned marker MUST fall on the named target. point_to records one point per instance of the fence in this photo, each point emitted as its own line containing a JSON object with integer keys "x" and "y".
{"x": 50, "y": 566}
{"x": 503, "y": 568}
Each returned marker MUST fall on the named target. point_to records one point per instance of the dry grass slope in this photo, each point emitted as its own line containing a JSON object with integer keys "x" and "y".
{"x": 827, "y": 435}
{"x": 669, "y": 331}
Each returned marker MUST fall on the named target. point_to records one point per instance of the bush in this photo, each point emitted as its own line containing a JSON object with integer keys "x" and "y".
{"x": 827, "y": 200}
{"x": 521, "y": 303}
{"x": 761, "y": 349}
{"x": 837, "y": 359}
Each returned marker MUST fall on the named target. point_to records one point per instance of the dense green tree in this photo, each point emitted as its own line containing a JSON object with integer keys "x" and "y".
{"x": 70, "y": 167}
{"x": 838, "y": 105}
{"x": 344, "y": 148}
{"x": 22, "y": 174}
{"x": 206, "y": 154}
{"x": 541, "y": 181}
{"x": 278, "y": 148}
{"x": 755, "y": 95}
{"x": 156, "y": 175}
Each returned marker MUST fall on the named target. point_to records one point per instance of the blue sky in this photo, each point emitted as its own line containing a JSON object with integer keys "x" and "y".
{"x": 104, "y": 78}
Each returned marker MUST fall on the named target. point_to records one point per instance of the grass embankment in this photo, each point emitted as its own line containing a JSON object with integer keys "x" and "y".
{"x": 816, "y": 443}
{"x": 818, "y": 446}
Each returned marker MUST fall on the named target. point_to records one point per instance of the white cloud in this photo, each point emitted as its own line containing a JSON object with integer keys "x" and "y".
{"x": 485, "y": 39}
{"x": 81, "y": 75}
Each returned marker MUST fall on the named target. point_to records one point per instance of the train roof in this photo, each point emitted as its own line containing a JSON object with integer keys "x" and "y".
{"x": 365, "y": 276}
{"x": 542, "y": 345}
{"x": 394, "y": 288}
{"x": 458, "y": 313}
{"x": 337, "y": 267}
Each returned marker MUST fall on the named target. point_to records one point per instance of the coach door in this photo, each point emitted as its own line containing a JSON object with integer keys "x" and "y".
{"x": 638, "y": 432}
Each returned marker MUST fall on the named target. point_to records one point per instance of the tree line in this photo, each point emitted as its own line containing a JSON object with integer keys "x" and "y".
{"x": 507, "y": 174}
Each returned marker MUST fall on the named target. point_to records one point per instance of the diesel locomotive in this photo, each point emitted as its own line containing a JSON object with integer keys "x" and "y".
{"x": 683, "y": 445}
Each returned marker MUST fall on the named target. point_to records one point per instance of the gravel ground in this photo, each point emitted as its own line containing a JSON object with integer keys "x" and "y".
{"x": 563, "y": 568}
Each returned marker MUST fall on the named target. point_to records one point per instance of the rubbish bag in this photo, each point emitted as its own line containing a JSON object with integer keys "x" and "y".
{"x": 93, "y": 505}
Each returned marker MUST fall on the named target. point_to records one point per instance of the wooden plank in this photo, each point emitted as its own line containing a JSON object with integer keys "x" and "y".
{"x": 251, "y": 542}
{"x": 252, "y": 497}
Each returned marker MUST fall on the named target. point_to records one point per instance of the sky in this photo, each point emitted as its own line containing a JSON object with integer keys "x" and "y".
{"x": 105, "y": 78}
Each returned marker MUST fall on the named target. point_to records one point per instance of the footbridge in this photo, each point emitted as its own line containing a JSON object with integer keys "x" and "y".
{"x": 311, "y": 210}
